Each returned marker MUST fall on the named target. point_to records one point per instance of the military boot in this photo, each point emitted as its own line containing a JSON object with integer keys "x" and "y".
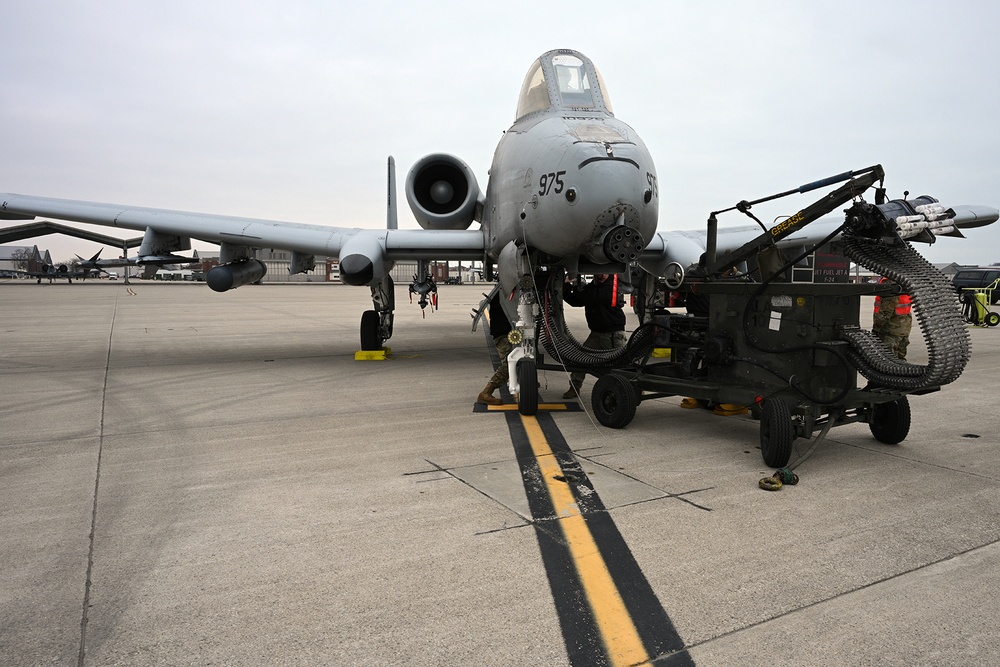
{"x": 486, "y": 395}
{"x": 573, "y": 391}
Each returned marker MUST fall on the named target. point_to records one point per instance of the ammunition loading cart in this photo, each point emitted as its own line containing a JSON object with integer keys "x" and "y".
{"x": 796, "y": 371}
{"x": 794, "y": 351}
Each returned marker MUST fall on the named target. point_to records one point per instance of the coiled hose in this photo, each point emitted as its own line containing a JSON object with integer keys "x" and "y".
{"x": 555, "y": 338}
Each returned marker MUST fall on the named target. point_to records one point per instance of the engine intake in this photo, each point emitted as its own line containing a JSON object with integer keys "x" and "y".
{"x": 442, "y": 192}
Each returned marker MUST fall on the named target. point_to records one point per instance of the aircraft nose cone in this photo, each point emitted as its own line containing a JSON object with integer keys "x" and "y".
{"x": 442, "y": 192}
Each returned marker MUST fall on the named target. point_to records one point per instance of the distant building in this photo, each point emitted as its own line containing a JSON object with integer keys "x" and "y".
{"x": 328, "y": 269}
{"x": 22, "y": 258}
{"x": 279, "y": 261}
{"x": 443, "y": 272}
{"x": 951, "y": 269}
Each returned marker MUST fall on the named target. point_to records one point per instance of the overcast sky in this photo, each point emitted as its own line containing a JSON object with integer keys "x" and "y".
{"x": 288, "y": 110}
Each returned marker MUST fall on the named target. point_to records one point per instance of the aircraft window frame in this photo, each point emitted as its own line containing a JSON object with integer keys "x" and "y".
{"x": 604, "y": 91}
{"x": 566, "y": 80}
{"x": 534, "y": 92}
{"x": 575, "y": 90}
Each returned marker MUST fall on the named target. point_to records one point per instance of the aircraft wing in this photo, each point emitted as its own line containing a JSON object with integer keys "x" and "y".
{"x": 388, "y": 244}
{"x": 378, "y": 246}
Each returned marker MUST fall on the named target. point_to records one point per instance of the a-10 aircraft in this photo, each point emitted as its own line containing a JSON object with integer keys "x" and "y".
{"x": 572, "y": 190}
{"x": 93, "y": 267}
{"x": 62, "y": 272}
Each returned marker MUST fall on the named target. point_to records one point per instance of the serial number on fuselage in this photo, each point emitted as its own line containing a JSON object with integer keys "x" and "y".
{"x": 552, "y": 183}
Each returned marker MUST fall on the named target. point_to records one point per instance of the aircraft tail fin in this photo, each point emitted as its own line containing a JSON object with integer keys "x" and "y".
{"x": 91, "y": 260}
{"x": 391, "y": 221}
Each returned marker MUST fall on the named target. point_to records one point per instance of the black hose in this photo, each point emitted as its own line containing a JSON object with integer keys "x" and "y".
{"x": 556, "y": 338}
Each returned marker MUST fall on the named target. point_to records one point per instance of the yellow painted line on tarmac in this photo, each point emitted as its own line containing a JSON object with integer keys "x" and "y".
{"x": 541, "y": 406}
{"x": 618, "y": 632}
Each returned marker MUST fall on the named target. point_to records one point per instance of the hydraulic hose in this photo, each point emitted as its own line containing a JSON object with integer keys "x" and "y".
{"x": 556, "y": 338}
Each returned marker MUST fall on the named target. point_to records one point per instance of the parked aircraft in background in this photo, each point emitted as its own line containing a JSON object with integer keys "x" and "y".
{"x": 85, "y": 268}
{"x": 154, "y": 261}
{"x": 58, "y": 272}
{"x": 572, "y": 190}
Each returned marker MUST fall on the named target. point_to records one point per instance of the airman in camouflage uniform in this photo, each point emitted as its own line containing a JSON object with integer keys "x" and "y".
{"x": 603, "y": 306}
{"x": 499, "y": 327}
{"x": 893, "y": 321}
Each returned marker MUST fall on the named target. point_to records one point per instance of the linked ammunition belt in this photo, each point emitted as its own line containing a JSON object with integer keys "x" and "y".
{"x": 937, "y": 310}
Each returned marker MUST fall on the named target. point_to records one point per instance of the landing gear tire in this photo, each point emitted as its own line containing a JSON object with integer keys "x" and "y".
{"x": 527, "y": 380}
{"x": 776, "y": 432}
{"x": 992, "y": 319}
{"x": 370, "y": 339}
{"x": 890, "y": 422}
{"x": 614, "y": 401}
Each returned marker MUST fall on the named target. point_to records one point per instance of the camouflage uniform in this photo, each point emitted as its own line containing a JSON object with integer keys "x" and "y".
{"x": 499, "y": 327}
{"x": 892, "y": 327}
{"x": 502, "y": 373}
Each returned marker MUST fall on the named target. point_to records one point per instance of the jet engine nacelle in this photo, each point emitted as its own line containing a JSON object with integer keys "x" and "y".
{"x": 443, "y": 192}
{"x": 362, "y": 261}
{"x": 225, "y": 277}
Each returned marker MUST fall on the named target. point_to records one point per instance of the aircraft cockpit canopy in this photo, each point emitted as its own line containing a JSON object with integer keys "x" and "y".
{"x": 564, "y": 80}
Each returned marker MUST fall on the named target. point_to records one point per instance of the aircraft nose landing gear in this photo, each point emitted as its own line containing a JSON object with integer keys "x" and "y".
{"x": 523, "y": 377}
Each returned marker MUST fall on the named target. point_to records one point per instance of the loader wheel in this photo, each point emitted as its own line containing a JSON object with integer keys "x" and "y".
{"x": 527, "y": 393}
{"x": 614, "y": 401}
{"x": 890, "y": 422}
{"x": 776, "y": 432}
{"x": 992, "y": 319}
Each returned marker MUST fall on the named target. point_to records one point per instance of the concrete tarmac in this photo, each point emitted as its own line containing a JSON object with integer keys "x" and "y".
{"x": 192, "y": 478}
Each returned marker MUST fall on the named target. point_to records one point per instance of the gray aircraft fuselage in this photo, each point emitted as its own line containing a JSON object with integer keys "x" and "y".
{"x": 570, "y": 184}
{"x": 568, "y": 171}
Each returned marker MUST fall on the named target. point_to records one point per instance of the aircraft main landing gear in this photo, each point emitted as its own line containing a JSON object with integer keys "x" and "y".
{"x": 376, "y": 325}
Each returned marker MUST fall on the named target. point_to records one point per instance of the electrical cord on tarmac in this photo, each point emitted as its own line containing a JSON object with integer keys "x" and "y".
{"x": 785, "y": 475}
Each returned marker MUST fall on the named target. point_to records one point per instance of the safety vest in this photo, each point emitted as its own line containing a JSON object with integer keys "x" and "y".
{"x": 902, "y": 306}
